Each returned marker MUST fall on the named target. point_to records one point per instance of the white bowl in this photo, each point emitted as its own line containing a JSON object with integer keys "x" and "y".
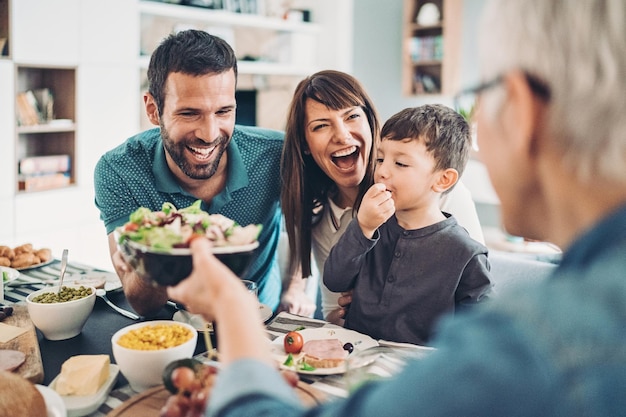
{"x": 144, "y": 368}
{"x": 60, "y": 321}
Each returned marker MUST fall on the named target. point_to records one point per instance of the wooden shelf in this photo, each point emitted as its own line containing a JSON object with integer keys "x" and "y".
{"x": 46, "y": 128}
{"x": 431, "y": 52}
{"x": 416, "y": 27}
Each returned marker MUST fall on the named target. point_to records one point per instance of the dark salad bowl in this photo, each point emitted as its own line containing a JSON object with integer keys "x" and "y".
{"x": 170, "y": 267}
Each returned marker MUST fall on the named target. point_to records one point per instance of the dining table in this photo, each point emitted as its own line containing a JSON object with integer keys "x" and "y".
{"x": 104, "y": 321}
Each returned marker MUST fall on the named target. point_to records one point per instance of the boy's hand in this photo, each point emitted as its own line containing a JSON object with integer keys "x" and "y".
{"x": 376, "y": 208}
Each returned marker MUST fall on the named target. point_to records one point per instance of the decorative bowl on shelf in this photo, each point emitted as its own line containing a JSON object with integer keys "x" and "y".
{"x": 172, "y": 266}
{"x": 428, "y": 15}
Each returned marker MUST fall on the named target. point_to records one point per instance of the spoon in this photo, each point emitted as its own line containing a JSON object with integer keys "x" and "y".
{"x": 63, "y": 268}
{"x": 103, "y": 294}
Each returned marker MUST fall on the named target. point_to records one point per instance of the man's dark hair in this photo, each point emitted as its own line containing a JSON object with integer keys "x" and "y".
{"x": 192, "y": 52}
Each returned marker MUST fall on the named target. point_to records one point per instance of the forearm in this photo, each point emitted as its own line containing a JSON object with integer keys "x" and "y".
{"x": 238, "y": 332}
{"x": 145, "y": 298}
{"x": 296, "y": 283}
{"x": 294, "y": 297}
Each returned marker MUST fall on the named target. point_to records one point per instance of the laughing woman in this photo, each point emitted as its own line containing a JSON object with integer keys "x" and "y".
{"x": 327, "y": 162}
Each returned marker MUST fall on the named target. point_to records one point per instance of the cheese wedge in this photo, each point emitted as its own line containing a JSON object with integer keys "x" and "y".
{"x": 83, "y": 374}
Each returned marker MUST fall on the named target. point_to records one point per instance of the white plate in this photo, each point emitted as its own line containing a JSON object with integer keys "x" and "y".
{"x": 81, "y": 405}
{"x": 13, "y": 273}
{"x": 195, "y": 320}
{"x": 39, "y": 265}
{"x": 198, "y": 322}
{"x": 111, "y": 280}
{"x": 265, "y": 311}
{"x": 358, "y": 340}
{"x": 54, "y": 403}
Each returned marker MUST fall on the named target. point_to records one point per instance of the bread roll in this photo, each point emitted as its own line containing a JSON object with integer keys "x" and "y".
{"x": 6, "y": 252}
{"x": 24, "y": 259}
{"x": 25, "y": 248}
{"x": 5, "y": 261}
{"x": 19, "y": 397}
{"x": 44, "y": 254}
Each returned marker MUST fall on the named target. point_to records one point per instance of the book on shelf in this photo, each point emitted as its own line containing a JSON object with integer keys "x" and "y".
{"x": 426, "y": 48}
{"x": 27, "y": 109}
{"x": 49, "y": 164}
{"x": 35, "y": 107}
{"x": 44, "y": 181}
{"x": 426, "y": 84}
{"x": 45, "y": 101}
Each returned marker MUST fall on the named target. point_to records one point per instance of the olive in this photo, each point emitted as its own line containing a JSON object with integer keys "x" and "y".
{"x": 349, "y": 347}
{"x": 7, "y": 310}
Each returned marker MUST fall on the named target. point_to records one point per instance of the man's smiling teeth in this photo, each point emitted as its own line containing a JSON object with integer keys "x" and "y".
{"x": 202, "y": 153}
{"x": 344, "y": 152}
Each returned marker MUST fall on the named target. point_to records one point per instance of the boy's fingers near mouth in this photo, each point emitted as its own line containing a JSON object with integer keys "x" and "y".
{"x": 380, "y": 188}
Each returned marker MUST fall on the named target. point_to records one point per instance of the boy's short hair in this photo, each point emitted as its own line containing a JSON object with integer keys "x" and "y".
{"x": 445, "y": 133}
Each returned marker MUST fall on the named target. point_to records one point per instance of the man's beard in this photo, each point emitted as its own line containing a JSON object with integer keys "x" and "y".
{"x": 194, "y": 171}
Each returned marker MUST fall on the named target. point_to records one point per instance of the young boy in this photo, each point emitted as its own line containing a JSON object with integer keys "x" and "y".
{"x": 406, "y": 261}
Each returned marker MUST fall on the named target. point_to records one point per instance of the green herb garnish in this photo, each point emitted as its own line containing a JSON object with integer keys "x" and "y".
{"x": 303, "y": 366}
{"x": 289, "y": 360}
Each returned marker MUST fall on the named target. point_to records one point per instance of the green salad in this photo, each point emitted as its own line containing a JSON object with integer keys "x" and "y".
{"x": 175, "y": 228}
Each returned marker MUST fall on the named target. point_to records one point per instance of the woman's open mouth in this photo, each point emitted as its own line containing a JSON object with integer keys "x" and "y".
{"x": 346, "y": 158}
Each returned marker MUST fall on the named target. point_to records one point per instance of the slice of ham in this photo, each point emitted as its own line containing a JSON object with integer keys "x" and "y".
{"x": 11, "y": 359}
{"x": 324, "y": 353}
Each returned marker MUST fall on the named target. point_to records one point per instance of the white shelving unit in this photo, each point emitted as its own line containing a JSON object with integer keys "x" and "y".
{"x": 280, "y": 47}
{"x": 70, "y": 47}
{"x": 223, "y": 17}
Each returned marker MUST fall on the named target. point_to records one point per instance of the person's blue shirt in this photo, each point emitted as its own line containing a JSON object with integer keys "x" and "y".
{"x": 556, "y": 347}
{"x": 135, "y": 174}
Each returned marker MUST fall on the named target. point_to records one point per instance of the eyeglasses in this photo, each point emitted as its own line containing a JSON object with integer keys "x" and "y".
{"x": 465, "y": 101}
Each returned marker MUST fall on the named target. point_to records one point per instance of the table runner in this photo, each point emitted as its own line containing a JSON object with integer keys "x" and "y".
{"x": 30, "y": 280}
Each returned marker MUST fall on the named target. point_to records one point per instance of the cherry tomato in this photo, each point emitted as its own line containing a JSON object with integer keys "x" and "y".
{"x": 183, "y": 378}
{"x": 131, "y": 227}
{"x": 194, "y": 236}
{"x": 293, "y": 342}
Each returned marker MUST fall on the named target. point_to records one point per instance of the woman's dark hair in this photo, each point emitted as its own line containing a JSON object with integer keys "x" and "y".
{"x": 192, "y": 52}
{"x": 306, "y": 187}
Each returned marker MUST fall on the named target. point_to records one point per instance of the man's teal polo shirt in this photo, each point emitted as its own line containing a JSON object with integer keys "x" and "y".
{"x": 135, "y": 174}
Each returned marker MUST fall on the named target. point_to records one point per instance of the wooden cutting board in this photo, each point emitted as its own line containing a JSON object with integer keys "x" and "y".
{"x": 32, "y": 368}
{"x": 150, "y": 402}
